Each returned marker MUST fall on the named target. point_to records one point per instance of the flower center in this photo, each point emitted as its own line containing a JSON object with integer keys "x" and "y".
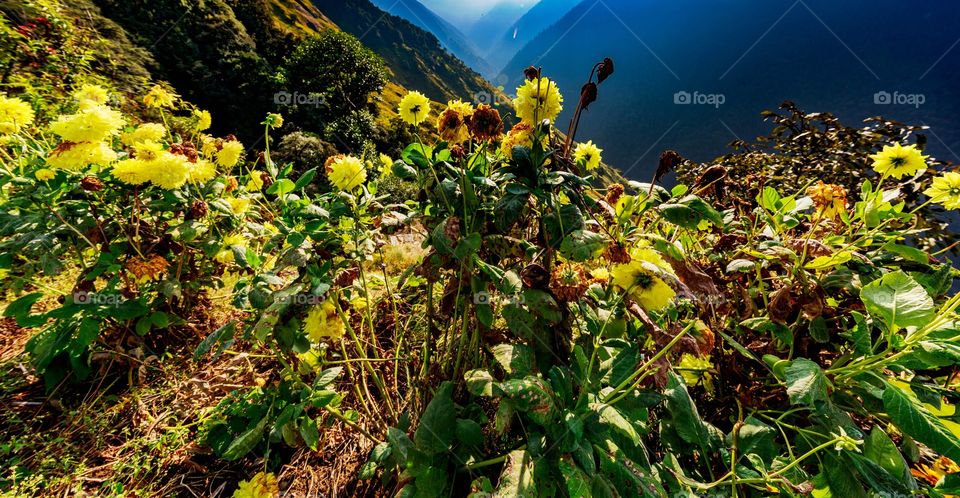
{"x": 898, "y": 161}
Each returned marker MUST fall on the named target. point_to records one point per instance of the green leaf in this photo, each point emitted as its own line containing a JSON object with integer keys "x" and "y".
{"x": 827, "y": 262}
{"x": 898, "y": 300}
{"x": 281, "y": 187}
{"x": 479, "y": 382}
{"x": 689, "y": 211}
{"x": 806, "y": 383}
{"x": 438, "y": 423}
{"x": 305, "y": 179}
{"x": 20, "y": 309}
{"x": 310, "y": 433}
{"x": 684, "y": 417}
{"x": 582, "y": 245}
{"x": 612, "y": 418}
{"x": 469, "y": 433}
{"x": 246, "y": 441}
{"x": 917, "y": 422}
{"x": 515, "y": 359}
{"x": 880, "y": 449}
{"x": 516, "y": 480}
{"x": 577, "y": 481}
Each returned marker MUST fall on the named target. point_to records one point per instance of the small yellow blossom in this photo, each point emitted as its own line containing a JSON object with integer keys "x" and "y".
{"x": 600, "y": 274}
{"x": 15, "y": 114}
{"x": 170, "y": 171}
{"x": 322, "y": 322}
{"x": 346, "y": 173}
{"x": 538, "y": 99}
{"x": 588, "y": 154}
{"x": 414, "y": 108}
{"x": 159, "y": 97}
{"x": 274, "y": 120}
{"x": 642, "y": 285}
{"x": 145, "y": 132}
{"x": 256, "y": 181}
{"x": 202, "y": 171}
{"x": 520, "y": 135}
{"x": 132, "y": 171}
{"x": 694, "y": 369}
{"x": 89, "y": 95}
{"x": 830, "y": 200}
{"x": 204, "y": 120}
{"x": 945, "y": 190}
{"x": 238, "y": 206}
{"x": 229, "y": 154}
{"x": 263, "y": 485}
{"x": 898, "y": 161}
{"x": 44, "y": 174}
{"x": 225, "y": 255}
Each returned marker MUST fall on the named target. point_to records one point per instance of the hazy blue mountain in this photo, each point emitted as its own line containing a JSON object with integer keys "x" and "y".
{"x": 449, "y": 36}
{"x": 537, "y": 19}
{"x": 823, "y": 54}
{"x": 487, "y": 30}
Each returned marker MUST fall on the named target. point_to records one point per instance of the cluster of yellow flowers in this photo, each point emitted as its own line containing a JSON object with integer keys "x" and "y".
{"x": 262, "y": 485}
{"x": 322, "y": 322}
{"x": 86, "y": 134}
{"x": 900, "y": 161}
{"x": 15, "y": 114}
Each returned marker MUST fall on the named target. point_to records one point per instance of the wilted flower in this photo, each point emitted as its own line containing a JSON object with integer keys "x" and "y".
{"x": 614, "y": 191}
{"x": 642, "y": 285}
{"x": 898, "y": 161}
{"x": 945, "y": 190}
{"x": 520, "y": 135}
{"x": 485, "y": 123}
{"x": 274, "y": 120}
{"x": 569, "y": 282}
{"x": 322, "y": 323}
{"x": 229, "y": 154}
{"x": 414, "y": 108}
{"x": 538, "y": 99}
{"x": 588, "y": 154}
{"x": 346, "y": 172}
{"x": 143, "y": 268}
{"x": 829, "y": 199}
{"x": 932, "y": 473}
{"x": 14, "y": 115}
{"x": 159, "y": 97}
{"x": 452, "y": 126}
{"x": 263, "y": 485}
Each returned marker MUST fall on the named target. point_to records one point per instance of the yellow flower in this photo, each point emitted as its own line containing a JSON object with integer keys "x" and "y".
{"x": 933, "y": 473}
{"x": 414, "y": 108}
{"x": 89, "y": 95}
{"x": 159, "y": 97}
{"x": 44, "y": 174}
{"x": 263, "y": 485}
{"x": 145, "y": 132}
{"x": 322, "y": 323}
{"x": 204, "y": 120}
{"x": 170, "y": 171}
{"x": 899, "y": 161}
{"x": 386, "y": 165}
{"x": 274, "y": 120}
{"x": 229, "y": 154}
{"x": 208, "y": 145}
{"x": 238, "y": 206}
{"x": 92, "y": 124}
{"x": 642, "y": 285}
{"x": 693, "y": 369}
{"x": 202, "y": 171}
{"x": 359, "y": 303}
{"x": 132, "y": 171}
{"x": 226, "y": 252}
{"x": 76, "y": 156}
{"x": 538, "y": 99}
{"x": 519, "y": 135}
{"x": 600, "y": 274}
{"x": 464, "y": 108}
{"x": 346, "y": 173}
{"x": 829, "y": 199}
{"x": 452, "y": 126}
{"x": 148, "y": 150}
{"x": 255, "y": 182}
{"x": 945, "y": 190}
{"x": 14, "y": 115}
{"x": 588, "y": 154}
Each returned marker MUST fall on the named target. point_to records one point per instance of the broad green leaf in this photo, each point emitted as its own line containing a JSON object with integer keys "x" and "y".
{"x": 806, "y": 383}
{"x": 515, "y": 359}
{"x": 917, "y": 422}
{"x": 281, "y": 187}
{"x": 880, "y": 449}
{"x": 516, "y": 479}
{"x": 246, "y": 441}
{"x": 898, "y": 300}
{"x": 479, "y": 382}
{"x": 438, "y": 423}
{"x": 577, "y": 481}
{"x": 827, "y": 262}
{"x": 582, "y": 245}
{"x": 684, "y": 417}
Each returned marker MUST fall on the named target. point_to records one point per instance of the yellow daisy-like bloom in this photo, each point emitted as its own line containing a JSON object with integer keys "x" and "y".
{"x": 238, "y": 206}
{"x": 538, "y": 99}
{"x": 642, "y": 285}
{"x": 255, "y": 182}
{"x": 322, "y": 323}
{"x": 414, "y": 108}
{"x": 226, "y": 252}
{"x": 145, "y": 132}
{"x": 208, "y": 146}
{"x": 44, "y": 174}
{"x": 204, "y": 120}
{"x": 202, "y": 171}
{"x": 945, "y": 190}
{"x": 452, "y": 126}
{"x": 132, "y": 171}
{"x": 148, "y": 150}
{"x": 159, "y": 97}
{"x": 76, "y": 156}
{"x": 89, "y": 95}
{"x": 92, "y": 124}
{"x": 600, "y": 274}
{"x": 170, "y": 171}
{"x": 263, "y": 485}
{"x": 386, "y": 165}
{"x": 693, "y": 369}
{"x": 229, "y": 154}
{"x": 588, "y": 154}
{"x": 14, "y": 115}
{"x": 899, "y": 161}
{"x": 274, "y": 120}
{"x": 830, "y": 200}
{"x": 346, "y": 173}
{"x": 519, "y": 135}
{"x": 464, "y": 108}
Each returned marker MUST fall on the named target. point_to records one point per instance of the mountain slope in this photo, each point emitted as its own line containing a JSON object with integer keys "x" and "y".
{"x": 538, "y": 18}
{"x": 414, "y": 55}
{"x": 449, "y": 35}
{"x": 486, "y": 30}
{"x": 824, "y": 55}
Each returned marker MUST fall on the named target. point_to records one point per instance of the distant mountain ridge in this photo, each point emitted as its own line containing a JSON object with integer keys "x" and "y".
{"x": 449, "y": 35}
{"x": 540, "y": 17}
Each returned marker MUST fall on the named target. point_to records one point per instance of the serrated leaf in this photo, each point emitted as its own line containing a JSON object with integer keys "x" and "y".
{"x": 917, "y": 422}
{"x": 806, "y": 383}
{"x": 898, "y": 300}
